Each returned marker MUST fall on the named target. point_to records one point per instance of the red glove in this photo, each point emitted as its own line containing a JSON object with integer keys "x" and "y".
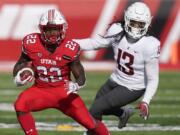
{"x": 144, "y": 110}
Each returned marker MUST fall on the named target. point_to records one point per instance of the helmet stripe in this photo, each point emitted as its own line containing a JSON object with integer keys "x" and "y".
{"x": 51, "y": 15}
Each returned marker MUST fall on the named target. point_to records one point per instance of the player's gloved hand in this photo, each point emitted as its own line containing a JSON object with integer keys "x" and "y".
{"x": 22, "y": 79}
{"x": 73, "y": 87}
{"x": 144, "y": 110}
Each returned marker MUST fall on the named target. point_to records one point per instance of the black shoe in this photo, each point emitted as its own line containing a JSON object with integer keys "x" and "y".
{"x": 123, "y": 119}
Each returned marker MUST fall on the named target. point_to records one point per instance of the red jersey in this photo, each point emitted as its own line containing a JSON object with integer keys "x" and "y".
{"x": 51, "y": 69}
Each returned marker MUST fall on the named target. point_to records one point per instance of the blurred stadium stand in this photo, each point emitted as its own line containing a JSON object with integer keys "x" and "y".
{"x": 86, "y": 18}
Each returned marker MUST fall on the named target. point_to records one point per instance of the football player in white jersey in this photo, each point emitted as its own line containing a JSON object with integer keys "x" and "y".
{"x": 137, "y": 65}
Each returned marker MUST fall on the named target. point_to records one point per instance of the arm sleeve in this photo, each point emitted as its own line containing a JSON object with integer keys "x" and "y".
{"x": 152, "y": 72}
{"x": 93, "y": 43}
{"x": 100, "y": 41}
{"x": 152, "y": 54}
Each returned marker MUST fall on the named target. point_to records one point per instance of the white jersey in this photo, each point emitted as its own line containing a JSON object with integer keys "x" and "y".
{"x": 135, "y": 62}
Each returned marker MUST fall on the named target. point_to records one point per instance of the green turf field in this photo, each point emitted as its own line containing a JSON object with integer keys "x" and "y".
{"x": 165, "y": 110}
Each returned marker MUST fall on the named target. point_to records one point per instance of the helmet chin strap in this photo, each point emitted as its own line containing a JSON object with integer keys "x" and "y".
{"x": 50, "y": 40}
{"x": 51, "y": 47}
{"x": 130, "y": 39}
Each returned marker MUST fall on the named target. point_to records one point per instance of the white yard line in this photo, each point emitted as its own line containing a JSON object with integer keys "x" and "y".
{"x": 6, "y": 107}
{"x": 8, "y": 92}
{"x": 9, "y": 106}
{"x": 75, "y": 127}
{"x": 165, "y": 116}
{"x": 110, "y": 124}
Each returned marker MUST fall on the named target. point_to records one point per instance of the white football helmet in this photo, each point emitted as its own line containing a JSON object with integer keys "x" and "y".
{"x": 53, "y": 19}
{"x": 137, "y": 20}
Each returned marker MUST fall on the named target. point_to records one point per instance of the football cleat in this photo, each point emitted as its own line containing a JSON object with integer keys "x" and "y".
{"x": 123, "y": 119}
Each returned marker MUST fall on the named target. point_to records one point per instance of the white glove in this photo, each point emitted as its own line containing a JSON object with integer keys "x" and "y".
{"x": 19, "y": 82}
{"x": 73, "y": 87}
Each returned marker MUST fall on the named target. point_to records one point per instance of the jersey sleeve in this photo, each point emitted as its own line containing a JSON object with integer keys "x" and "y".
{"x": 152, "y": 54}
{"x": 29, "y": 43}
{"x": 152, "y": 50}
{"x": 100, "y": 41}
{"x": 152, "y": 71}
{"x": 114, "y": 29}
{"x": 92, "y": 43}
{"x": 71, "y": 50}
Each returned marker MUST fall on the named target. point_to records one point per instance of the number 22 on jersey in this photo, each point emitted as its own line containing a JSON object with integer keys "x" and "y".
{"x": 54, "y": 77}
{"x": 31, "y": 39}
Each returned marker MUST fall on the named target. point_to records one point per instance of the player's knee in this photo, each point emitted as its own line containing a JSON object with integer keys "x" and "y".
{"x": 89, "y": 125}
{"x": 96, "y": 113}
{"x": 92, "y": 125}
{"x": 98, "y": 108}
{"x": 22, "y": 107}
{"x": 100, "y": 129}
{"x": 21, "y": 104}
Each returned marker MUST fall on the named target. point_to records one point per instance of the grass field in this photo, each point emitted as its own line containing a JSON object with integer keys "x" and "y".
{"x": 165, "y": 110}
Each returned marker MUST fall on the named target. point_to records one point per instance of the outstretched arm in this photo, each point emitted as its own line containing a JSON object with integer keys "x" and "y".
{"x": 93, "y": 43}
{"x": 152, "y": 71}
{"x": 99, "y": 41}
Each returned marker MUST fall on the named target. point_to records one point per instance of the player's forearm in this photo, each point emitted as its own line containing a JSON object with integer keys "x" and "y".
{"x": 19, "y": 65}
{"x": 92, "y": 43}
{"x": 81, "y": 80}
{"x": 150, "y": 91}
{"x": 80, "y": 77}
{"x": 22, "y": 62}
{"x": 78, "y": 72}
{"x": 152, "y": 70}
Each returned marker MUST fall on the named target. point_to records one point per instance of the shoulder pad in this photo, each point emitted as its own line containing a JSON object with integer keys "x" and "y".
{"x": 115, "y": 28}
{"x": 152, "y": 41}
{"x": 29, "y": 41}
{"x": 152, "y": 47}
{"x": 71, "y": 50}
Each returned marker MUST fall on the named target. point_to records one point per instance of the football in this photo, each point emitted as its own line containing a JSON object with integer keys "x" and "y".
{"x": 26, "y": 72}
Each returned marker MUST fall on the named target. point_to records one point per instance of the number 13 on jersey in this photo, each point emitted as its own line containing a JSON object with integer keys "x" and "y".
{"x": 125, "y": 67}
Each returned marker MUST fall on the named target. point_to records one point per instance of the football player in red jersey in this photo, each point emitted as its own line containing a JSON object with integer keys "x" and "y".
{"x": 52, "y": 58}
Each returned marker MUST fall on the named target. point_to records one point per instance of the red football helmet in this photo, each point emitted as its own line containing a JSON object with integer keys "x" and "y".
{"x": 52, "y": 26}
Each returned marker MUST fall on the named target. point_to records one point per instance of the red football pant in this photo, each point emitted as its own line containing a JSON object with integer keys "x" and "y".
{"x": 36, "y": 99}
